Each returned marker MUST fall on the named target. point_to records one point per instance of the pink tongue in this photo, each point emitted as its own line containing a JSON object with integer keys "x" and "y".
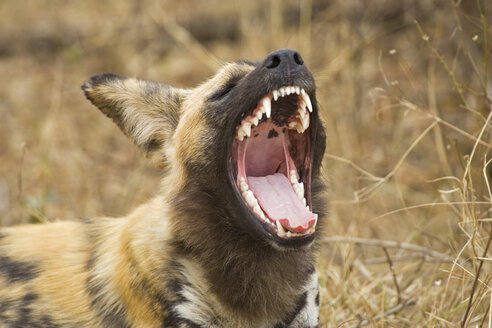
{"x": 279, "y": 202}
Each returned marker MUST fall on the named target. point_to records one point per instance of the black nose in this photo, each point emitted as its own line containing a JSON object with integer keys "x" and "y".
{"x": 284, "y": 61}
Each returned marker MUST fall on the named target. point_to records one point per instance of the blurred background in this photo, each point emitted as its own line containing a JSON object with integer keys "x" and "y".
{"x": 406, "y": 99}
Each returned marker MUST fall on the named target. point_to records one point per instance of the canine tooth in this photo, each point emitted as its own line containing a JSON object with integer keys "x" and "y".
{"x": 280, "y": 229}
{"x": 306, "y": 99}
{"x": 298, "y": 90}
{"x": 267, "y": 105}
{"x": 275, "y": 95}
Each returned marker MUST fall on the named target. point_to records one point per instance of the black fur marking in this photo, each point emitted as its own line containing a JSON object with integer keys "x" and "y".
{"x": 17, "y": 271}
{"x": 112, "y": 316}
{"x": 272, "y": 134}
{"x": 316, "y": 300}
{"x": 27, "y": 319}
{"x": 5, "y": 305}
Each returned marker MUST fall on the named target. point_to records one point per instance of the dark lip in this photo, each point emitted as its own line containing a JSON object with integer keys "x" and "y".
{"x": 263, "y": 228}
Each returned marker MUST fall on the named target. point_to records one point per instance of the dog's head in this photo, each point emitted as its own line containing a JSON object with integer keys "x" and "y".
{"x": 244, "y": 148}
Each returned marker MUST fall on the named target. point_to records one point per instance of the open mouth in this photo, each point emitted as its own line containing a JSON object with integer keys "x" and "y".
{"x": 271, "y": 158}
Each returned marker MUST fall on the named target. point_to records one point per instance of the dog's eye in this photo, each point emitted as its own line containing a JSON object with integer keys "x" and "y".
{"x": 225, "y": 89}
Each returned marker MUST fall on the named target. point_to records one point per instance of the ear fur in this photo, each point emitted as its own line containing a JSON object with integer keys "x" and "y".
{"x": 146, "y": 111}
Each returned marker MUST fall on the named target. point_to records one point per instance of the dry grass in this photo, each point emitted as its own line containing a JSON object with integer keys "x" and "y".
{"x": 406, "y": 99}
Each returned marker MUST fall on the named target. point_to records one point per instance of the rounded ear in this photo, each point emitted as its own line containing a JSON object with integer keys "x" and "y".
{"x": 146, "y": 111}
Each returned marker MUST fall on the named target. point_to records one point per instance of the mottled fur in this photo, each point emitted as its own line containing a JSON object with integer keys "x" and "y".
{"x": 187, "y": 258}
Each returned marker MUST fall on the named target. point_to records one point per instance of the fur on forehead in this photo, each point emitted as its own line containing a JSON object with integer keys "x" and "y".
{"x": 207, "y": 88}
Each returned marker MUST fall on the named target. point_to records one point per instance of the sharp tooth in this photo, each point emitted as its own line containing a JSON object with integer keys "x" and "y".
{"x": 289, "y": 234}
{"x": 275, "y": 95}
{"x": 292, "y": 89}
{"x": 254, "y": 121}
{"x": 306, "y": 99}
{"x": 247, "y": 128}
{"x": 298, "y": 90}
{"x": 304, "y": 201}
{"x": 267, "y": 105}
{"x": 259, "y": 114}
{"x": 287, "y": 91}
{"x": 280, "y": 229}
{"x": 282, "y": 92}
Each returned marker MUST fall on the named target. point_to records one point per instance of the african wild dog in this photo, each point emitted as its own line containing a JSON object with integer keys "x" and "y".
{"x": 229, "y": 240}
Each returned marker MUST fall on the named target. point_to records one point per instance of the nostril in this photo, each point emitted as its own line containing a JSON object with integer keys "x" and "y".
{"x": 298, "y": 59}
{"x": 273, "y": 62}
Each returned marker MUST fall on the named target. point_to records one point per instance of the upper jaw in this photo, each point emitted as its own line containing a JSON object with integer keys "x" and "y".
{"x": 264, "y": 110}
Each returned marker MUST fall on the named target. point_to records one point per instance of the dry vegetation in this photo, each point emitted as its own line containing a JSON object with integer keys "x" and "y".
{"x": 406, "y": 100}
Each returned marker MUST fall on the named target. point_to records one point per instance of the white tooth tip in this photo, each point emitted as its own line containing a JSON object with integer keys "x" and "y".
{"x": 267, "y": 106}
{"x": 307, "y": 100}
{"x": 275, "y": 95}
{"x": 280, "y": 229}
